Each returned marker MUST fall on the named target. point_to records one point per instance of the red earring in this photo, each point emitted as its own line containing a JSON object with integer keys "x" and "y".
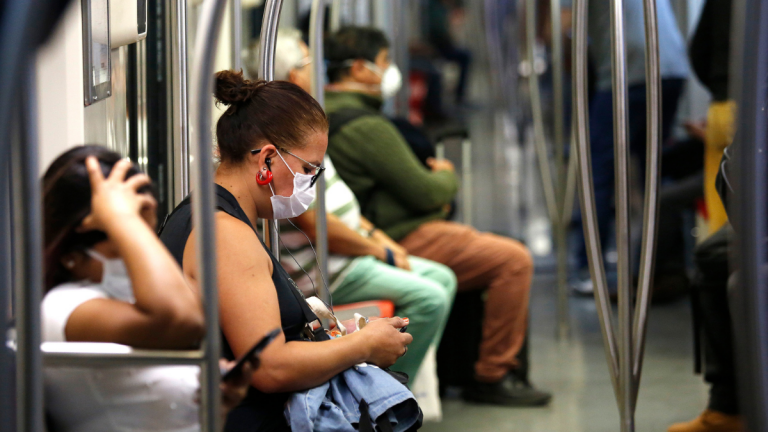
{"x": 265, "y": 178}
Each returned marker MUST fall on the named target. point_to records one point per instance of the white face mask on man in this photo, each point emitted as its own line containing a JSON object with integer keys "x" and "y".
{"x": 114, "y": 277}
{"x": 391, "y": 78}
{"x": 303, "y": 194}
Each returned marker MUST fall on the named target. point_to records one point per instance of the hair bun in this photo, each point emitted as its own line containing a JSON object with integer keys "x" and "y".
{"x": 232, "y": 89}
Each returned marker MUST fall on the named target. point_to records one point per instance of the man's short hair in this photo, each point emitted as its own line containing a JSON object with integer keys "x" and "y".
{"x": 352, "y": 43}
{"x": 288, "y": 55}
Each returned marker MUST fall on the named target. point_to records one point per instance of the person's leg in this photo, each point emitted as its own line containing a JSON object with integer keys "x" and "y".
{"x": 484, "y": 261}
{"x": 440, "y": 274}
{"x": 504, "y": 268}
{"x": 601, "y": 150}
{"x": 425, "y": 301}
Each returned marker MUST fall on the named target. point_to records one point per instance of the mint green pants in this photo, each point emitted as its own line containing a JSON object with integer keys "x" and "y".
{"x": 424, "y": 295}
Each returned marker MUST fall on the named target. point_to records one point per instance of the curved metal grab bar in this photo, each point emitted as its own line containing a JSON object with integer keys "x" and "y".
{"x": 652, "y": 177}
{"x": 269, "y": 25}
{"x": 316, "y": 20}
{"x": 587, "y": 190}
{"x": 203, "y": 205}
{"x": 624, "y": 360}
{"x": 538, "y": 116}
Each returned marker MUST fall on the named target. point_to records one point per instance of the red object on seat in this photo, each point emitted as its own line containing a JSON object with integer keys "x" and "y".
{"x": 369, "y": 309}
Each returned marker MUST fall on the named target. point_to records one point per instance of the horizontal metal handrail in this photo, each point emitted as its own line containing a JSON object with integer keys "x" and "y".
{"x": 90, "y": 354}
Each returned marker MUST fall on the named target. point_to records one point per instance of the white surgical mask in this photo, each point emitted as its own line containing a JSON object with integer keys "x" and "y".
{"x": 291, "y": 206}
{"x": 114, "y": 278}
{"x": 391, "y": 79}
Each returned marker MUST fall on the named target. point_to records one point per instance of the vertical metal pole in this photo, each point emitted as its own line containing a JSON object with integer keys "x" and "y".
{"x": 749, "y": 68}
{"x": 237, "y": 34}
{"x": 466, "y": 180}
{"x": 203, "y": 205}
{"x": 180, "y": 100}
{"x": 400, "y": 38}
{"x": 267, "y": 62}
{"x": 538, "y": 116}
{"x": 317, "y": 18}
{"x": 553, "y": 194}
{"x": 621, "y": 169}
{"x": 558, "y": 222}
{"x": 7, "y": 377}
{"x": 652, "y": 176}
{"x": 587, "y": 190}
{"x": 29, "y": 263}
{"x": 336, "y": 7}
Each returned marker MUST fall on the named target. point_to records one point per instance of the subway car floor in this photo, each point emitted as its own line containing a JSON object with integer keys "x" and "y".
{"x": 575, "y": 371}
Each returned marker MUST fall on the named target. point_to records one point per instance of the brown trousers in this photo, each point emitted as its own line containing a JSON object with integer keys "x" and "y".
{"x": 501, "y": 266}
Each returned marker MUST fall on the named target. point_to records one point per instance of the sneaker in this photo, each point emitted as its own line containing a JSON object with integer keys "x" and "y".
{"x": 509, "y": 391}
{"x": 710, "y": 421}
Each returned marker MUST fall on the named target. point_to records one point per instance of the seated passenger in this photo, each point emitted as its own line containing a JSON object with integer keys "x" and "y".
{"x": 271, "y": 141}
{"x": 409, "y": 202}
{"x": 109, "y": 279}
{"x": 421, "y": 290}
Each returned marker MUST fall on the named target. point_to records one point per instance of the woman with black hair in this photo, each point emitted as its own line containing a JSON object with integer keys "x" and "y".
{"x": 109, "y": 278}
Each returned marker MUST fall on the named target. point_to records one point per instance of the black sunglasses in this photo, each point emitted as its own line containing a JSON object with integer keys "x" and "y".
{"x": 319, "y": 168}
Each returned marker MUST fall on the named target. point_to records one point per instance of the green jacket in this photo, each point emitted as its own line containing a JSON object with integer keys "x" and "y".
{"x": 396, "y": 192}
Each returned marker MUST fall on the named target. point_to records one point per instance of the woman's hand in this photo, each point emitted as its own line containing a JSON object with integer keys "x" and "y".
{"x": 233, "y": 391}
{"x": 386, "y": 342}
{"x": 115, "y": 198}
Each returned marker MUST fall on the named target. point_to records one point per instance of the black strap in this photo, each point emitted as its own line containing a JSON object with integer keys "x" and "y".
{"x": 339, "y": 119}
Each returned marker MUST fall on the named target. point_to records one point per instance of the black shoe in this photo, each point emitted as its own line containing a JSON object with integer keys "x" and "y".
{"x": 509, "y": 391}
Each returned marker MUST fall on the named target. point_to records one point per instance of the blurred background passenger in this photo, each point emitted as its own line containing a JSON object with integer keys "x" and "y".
{"x": 709, "y": 53}
{"x": 674, "y": 71}
{"x": 271, "y": 140}
{"x": 365, "y": 264}
{"x": 410, "y": 202}
{"x": 110, "y": 279}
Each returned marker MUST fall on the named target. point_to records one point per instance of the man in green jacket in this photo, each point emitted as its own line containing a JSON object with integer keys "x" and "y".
{"x": 410, "y": 202}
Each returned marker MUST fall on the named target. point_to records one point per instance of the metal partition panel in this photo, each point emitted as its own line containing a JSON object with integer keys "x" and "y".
{"x": 625, "y": 353}
{"x": 203, "y": 203}
{"x": 317, "y": 18}
{"x": 267, "y": 62}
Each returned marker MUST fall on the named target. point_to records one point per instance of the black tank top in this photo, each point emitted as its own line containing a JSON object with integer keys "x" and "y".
{"x": 259, "y": 411}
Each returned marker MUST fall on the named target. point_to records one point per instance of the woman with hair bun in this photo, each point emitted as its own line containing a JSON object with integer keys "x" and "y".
{"x": 271, "y": 141}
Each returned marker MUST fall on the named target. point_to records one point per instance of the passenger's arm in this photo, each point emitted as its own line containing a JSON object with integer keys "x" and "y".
{"x": 387, "y": 157}
{"x": 342, "y": 240}
{"x": 167, "y": 313}
{"x": 249, "y": 309}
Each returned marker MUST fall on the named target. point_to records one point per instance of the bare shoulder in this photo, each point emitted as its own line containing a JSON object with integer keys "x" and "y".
{"x": 238, "y": 244}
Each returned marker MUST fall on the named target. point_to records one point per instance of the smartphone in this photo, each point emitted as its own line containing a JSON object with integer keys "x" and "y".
{"x": 251, "y": 356}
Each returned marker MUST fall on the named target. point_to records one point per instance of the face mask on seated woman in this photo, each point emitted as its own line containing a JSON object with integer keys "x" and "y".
{"x": 303, "y": 194}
